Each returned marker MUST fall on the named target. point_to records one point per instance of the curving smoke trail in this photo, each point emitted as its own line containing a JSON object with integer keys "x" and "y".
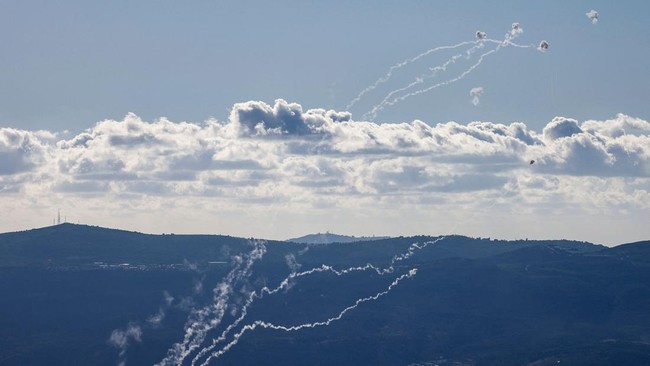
{"x": 419, "y": 80}
{"x": 434, "y": 70}
{"x": 286, "y": 283}
{"x": 386, "y": 102}
{"x": 293, "y": 328}
{"x": 388, "y": 75}
{"x": 511, "y": 35}
{"x": 207, "y": 318}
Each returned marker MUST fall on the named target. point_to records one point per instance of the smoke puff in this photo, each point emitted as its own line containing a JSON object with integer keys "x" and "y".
{"x": 476, "y": 93}
{"x": 543, "y": 46}
{"x": 516, "y": 29}
{"x": 156, "y": 319}
{"x": 121, "y": 338}
{"x": 593, "y": 15}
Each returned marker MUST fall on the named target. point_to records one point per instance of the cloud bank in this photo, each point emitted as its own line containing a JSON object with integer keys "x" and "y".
{"x": 316, "y": 159}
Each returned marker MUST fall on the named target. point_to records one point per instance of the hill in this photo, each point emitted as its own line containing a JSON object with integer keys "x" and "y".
{"x": 68, "y": 294}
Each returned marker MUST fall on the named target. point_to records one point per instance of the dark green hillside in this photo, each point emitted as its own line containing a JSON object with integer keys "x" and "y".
{"x": 74, "y": 245}
{"x": 638, "y": 252}
{"x": 474, "y": 301}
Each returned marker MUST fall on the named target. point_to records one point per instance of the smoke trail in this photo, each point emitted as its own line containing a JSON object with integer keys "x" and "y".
{"x": 285, "y": 284}
{"x": 207, "y": 318}
{"x": 372, "y": 114}
{"x": 388, "y": 75}
{"x": 434, "y": 70}
{"x": 508, "y": 41}
{"x": 293, "y": 328}
{"x": 420, "y": 79}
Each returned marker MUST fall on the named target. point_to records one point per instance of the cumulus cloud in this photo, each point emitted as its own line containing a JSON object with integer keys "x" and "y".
{"x": 259, "y": 118}
{"x": 561, "y": 127}
{"x": 280, "y": 154}
{"x": 598, "y": 148}
{"x": 314, "y": 149}
{"x": 22, "y": 151}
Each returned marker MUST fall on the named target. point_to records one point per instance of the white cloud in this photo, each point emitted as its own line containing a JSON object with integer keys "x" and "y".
{"x": 561, "y": 127}
{"x": 279, "y": 158}
{"x": 21, "y": 151}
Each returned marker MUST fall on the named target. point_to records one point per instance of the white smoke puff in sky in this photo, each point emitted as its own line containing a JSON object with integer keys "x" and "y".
{"x": 593, "y": 15}
{"x": 516, "y": 29}
{"x": 543, "y": 46}
{"x": 476, "y": 93}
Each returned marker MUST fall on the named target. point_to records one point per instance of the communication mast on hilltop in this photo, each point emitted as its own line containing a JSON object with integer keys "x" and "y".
{"x": 58, "y": 218}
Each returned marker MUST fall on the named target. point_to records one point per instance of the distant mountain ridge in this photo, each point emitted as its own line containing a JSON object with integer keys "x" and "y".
{"x": 329, "y": 238}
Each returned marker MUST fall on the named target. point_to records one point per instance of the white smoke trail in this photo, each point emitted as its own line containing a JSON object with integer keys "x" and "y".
{"x": 420, "y": 79}
{"x": 284, "y": 284}
{"x": 372, "y": 114}
{"x": 508, "y": 41}
{"x": 388, "y": 75}
{"x": 207, "y": 318}
{"x": 434, "y": 70}
{"x": 293, "y": 328}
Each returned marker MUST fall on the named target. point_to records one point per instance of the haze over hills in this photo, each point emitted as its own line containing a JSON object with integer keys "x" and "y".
{"x": 329, "y": 238}
{"x": 75, "y": 294}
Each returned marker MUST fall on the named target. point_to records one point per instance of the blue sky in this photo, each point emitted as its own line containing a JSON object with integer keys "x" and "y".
{"x": 93, "y": 96}
{"x": 70, "y": 64}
